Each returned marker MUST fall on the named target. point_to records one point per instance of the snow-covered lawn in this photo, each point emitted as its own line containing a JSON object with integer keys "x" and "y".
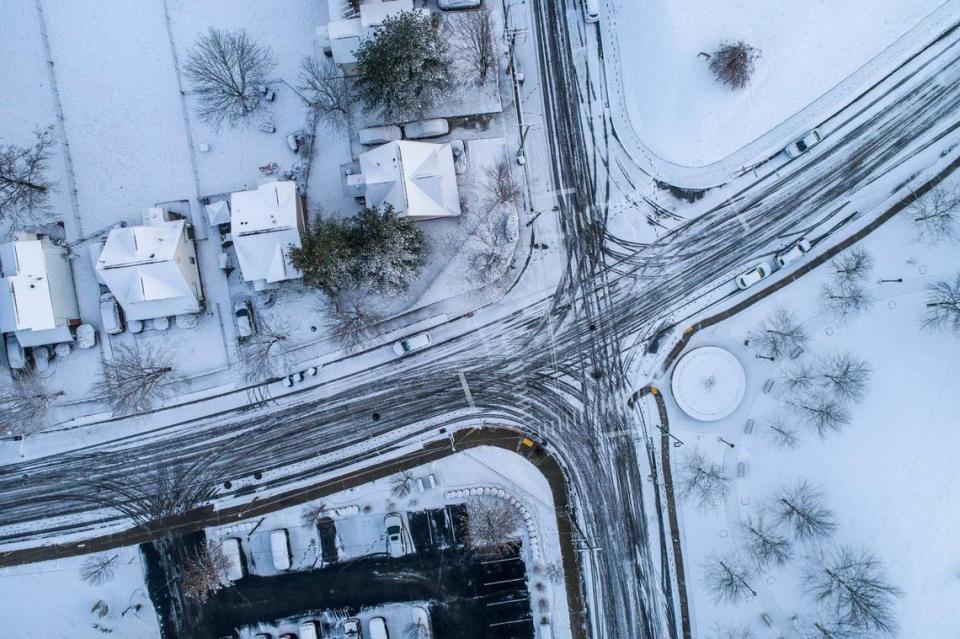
{"x": 889, "y": 476}
{"x": 688, "y": 118}
{"x": 49, "y": 599}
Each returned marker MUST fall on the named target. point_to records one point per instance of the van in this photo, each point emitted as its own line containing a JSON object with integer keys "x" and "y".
{"x": 378, "y": 628}
{"x": 591, "y": 10}
{"x": 308, "y": 630}
{"x": 231, "y": 550}
{"x": 280, "y": 549}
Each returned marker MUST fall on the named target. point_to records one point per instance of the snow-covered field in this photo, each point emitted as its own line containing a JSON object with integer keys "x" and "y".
{"x": 686, "y": 117}
{"x": 889, "y": 476}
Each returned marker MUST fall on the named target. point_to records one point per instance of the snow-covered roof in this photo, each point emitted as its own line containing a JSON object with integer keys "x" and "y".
{"x": 25, "y": 300}
{"x": 708, "y": 383}
{"x": 140, "y": 266}
{"x": 372, "y": 14}
{"x": 417, "y": 178}
{"x": 265, "y": 224}
{"x": 218, "y": 212}
{"x": 345, "y": 34}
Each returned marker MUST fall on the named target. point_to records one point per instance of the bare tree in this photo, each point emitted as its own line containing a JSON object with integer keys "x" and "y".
{"x": 205, "y": 572}
{"x": 780, "y": 333}
{"x": 401, "y": 484}
{"x": 135, "y": 379}
{"x": 733, "y": 63}
{"x": 782, "y": 433}
{"x": 416, "y": 630}
{"x": 493, "y": 220}
{"x": 798, "y": 378}
{"x": 821, "y": 413}
{"x": 472, "y": 38}
{"x": 311, "y": 513}
{"x": 934, "y": 214}
{"x": 97, "y": 570}
{"x": 732, "y": 632}
{"x": 943, "y": 306}
{"x": 163, "y": 490}
{"x": 845, "y": 300}
{"x": 801, "y": 506}
{"x": 24, "y": 404}
{"x": 728, "y": 578}
{"x": 845, "y": 376}
{"x": 227, "y": 69}
{"x": 265, "y": 353}
{"x": 24, "y": 185}
{"x": 501, "y": 186}
{"x": 492, "y": 524}
{"x": 853, "y": 265}
{"x": 703, "y": 480}
{"x": 323, "y": 85}
{"x": 821, "y": 628}
{"x": 851, "y": 587}
{"x": 764, "y": 542}
{"x": 352, "y": 320}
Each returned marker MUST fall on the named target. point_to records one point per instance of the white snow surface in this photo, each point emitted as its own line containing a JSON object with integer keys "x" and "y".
{"x": 684, "y": 116}
{"x": 889, "y": 476}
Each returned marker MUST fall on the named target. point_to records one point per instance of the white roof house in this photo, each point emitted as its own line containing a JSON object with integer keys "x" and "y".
{"x": 38, "y": 302}
{"x": 266, "y": 223}
{"x": 151, "y": 269}
{"x": 417, "y": 178}
{"x": 345, "y": 35}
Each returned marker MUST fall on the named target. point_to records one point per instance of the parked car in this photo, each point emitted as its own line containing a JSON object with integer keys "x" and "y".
{"x": 378, "y": 628}
{"x": 243, "y": 311}
{"x": 16, "y": 357}
{"x": 426, "y": 128}
{"x": 288, "y": 635}
{"x": 448, "y": 5}
{"x": 280, "y": 549}
{"x": 803, "y": 145}
{"x": 263, "y": 635}
{"x": 420, "y": 619}
{"x": 591, "y": 10}
{"x": 231, "y": 550}
{"x": 379, "y": 134}
{"x": 795, "y": 252}
{"x": 351, "y": 629}
{"x": 410, "y": 344}
{"x": 309, "y": 630}
{"x": 111, "y": 315}
{"x": 396, "y": 547}
{"x": 754, "y": 275}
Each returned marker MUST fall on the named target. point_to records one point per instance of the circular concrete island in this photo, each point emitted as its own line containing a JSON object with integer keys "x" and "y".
{"x": 708, "y": 383}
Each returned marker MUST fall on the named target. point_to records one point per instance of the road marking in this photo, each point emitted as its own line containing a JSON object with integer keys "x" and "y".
{"x": 466, "y": 389}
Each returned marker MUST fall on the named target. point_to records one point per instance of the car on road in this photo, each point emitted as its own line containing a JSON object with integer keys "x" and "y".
{"x": 351, "y": 629}
{"x": 803, "y": 145}
{"x": 396, "y": 547}
{"x": 410, "y": 344}
{"x": 795, "y": 252}
{"x": 111, "y": 315}
{"x": 591, "y": 10}
{"x": 754, "y": 275}
{"x": 243, "y": 311}
{"x": 420, "y": 619}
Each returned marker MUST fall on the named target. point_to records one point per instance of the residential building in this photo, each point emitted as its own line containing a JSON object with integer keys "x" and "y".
{"x": 151, "y": 269}
{"x": 347, "y": 27}
{"x": 417, "y": 178}
{"x": 38, "y": 302}
{"x": 266, "y": 223}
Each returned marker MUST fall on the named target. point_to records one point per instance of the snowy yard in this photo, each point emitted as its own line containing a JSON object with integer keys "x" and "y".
{"x": 686, "y": 117}
{"x": 888, "y": 476}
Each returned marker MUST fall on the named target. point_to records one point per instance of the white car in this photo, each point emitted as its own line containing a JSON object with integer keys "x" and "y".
{"x": 410, "y": 344}
{"x": 395, "y": 544}
{"x": 243, "y": 312}
{"x": 795, "y": 252}
{"x": 426, "y": 128}
{"x": 379, "y": 134}
{"x": 448, "y": 5}
{"x": 591, "y": 10}
{"x": 804, "y": 144}
{"x": 110, "y": 314}
{"x": 754, "y": 275}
